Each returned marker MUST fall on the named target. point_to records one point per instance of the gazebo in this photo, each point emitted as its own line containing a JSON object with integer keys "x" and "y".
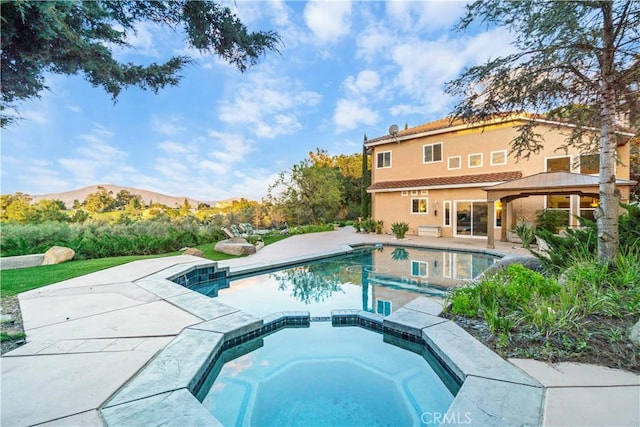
{"x": 540, "y": 184}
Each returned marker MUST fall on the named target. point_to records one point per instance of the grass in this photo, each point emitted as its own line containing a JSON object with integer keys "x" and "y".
{"x": 5, "y": 336}
{"x": 13, "y": 282}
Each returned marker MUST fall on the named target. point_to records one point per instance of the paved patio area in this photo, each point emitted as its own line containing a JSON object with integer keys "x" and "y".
{"x": 89, "y": 335}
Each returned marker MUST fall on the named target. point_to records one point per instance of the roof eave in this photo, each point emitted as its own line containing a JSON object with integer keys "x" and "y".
{"x": 434, "y": 187}
{"x": 398, "y": 139}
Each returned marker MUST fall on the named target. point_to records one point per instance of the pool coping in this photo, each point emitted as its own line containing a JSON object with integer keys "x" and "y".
{"x": 493, "y": 391}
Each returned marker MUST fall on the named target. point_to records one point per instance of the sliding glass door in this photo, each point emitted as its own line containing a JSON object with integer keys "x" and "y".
{"x": 471, "y": 219}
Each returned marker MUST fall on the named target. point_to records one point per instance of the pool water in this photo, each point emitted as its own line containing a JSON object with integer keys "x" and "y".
{"x": 324, "y": 375}
{"x": 373, "y": 279}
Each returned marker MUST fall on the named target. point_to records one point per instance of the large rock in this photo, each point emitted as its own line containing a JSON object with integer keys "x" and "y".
{"x": 531, "y": 263}
{"x": 235, "y": 246}
{"x": 194, "y": 252}
{"x": 57, "y": 254}
{"x": 634, "y": 334}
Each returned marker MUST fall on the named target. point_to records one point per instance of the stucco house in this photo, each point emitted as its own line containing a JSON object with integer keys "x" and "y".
{"x": 451, "y": 179}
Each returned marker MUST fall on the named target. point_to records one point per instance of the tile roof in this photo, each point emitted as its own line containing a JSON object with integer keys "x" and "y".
{"x": 450, "y": 122}
{"x": 551, "y": 180}
{"x": 446, "y": 180}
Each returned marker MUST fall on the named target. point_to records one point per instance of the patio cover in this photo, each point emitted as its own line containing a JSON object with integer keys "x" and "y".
{"x": 541, "y": 184}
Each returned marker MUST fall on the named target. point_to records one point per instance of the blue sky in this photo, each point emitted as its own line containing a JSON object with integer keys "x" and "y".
{"x": 346, "y": 69}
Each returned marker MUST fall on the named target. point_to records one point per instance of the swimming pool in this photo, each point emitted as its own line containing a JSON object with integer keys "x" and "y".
{"x": 164, "y": 391}
{"x": 376, "y": 279}
{"x": 324, "y": 375}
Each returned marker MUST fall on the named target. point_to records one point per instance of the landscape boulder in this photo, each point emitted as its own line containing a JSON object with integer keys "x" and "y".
{"x": 235, "y": 246}
{"x": 531, "y": 263}
{"x": 57, "y": 254}
{"x": 193, "y": 252}
{"x": 634, "y": 334}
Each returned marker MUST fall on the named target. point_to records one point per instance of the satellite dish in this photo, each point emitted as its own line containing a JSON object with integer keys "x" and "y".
{"x": 393, "y": 130}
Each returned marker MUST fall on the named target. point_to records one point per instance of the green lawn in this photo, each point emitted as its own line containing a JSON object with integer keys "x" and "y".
{"x": 12, "y": 282}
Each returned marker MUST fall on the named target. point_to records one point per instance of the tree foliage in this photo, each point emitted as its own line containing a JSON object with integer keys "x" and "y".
{"x": 352, "y": 176}
{"x": 634, "y": 168}
{"x": 307, "y": 193}
{"x": 100, "y": 201}
{"x": 76, "y": 37}
{"x": 574, "y": 61}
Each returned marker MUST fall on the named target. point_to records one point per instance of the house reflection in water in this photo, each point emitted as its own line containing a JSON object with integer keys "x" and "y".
{"x": 397, "y": 275}
{"x": 374, "y": 279}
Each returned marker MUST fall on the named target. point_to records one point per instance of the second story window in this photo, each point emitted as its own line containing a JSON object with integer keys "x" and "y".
{"x": 475, "y": 160}
{"x": 590, "y": 164}
{"x": 432, "y": 153}
{"x": 384, "y": 159}
{"x": 498, "y": 158}
{"x": 454, "y": 162}
{"x": 558, "y": 164}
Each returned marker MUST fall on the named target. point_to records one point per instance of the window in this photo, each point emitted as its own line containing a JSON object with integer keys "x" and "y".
{"x": 384, "y": 159}
{"x": 454, "y": 162}
{"x": 424, "y": 192}
{"x": 475, "y": 160}
{"x": 404, "y": 193}
{"x": 383, "y": 307}
{"x": 590, "y": 164}
{"x": 419, "y": 269}
{"x": 498, "y": 213}
{"x": 588, "y": 207}
{"x": 433, "y": 153}
{"x": 446, "y": 206}
{"x": 498, "y": 158}
{"x": 420, "y": 206}
{"x": 559, "y": 164}
{"x": 560, "y": 203}
{"x": 414, "y": 192}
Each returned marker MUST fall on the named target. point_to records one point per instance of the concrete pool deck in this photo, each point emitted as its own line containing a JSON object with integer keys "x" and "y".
{"x": 86, "y": 337}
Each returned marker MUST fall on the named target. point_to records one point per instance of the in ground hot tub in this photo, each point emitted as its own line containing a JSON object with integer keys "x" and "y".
{"x": 324, "y": 375}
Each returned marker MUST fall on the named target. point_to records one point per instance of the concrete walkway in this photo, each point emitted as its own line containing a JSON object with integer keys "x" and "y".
{"x": 89, "y": 335}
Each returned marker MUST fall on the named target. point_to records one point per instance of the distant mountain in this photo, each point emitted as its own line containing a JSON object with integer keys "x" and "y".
{"x": 148, "y": 196}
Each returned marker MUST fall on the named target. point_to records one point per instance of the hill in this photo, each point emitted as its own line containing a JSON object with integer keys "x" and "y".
{"x": 148, "y": 196}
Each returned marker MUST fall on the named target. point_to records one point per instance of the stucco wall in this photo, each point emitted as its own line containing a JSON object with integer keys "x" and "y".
{"x": 407, "y": 163}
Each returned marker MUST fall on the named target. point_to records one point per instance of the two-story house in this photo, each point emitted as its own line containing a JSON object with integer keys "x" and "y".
{"x": 438, "y": 177}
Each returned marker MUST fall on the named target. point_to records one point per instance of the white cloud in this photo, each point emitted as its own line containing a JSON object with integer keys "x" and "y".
{"x": 374, "y": 44}
{"x": 366, "y": 81}
{"x": 425, "y": 15}
{"x": 169, "y": 126}
{"x": 229, "y": 148}
{"x": 349, "y": 114}
{"x": 172, "y": 169}
{"x": 252, "y": 184}
{"x": 34, "y": 116}
{"x": 328, "y": 20}
{"x": 98, "y": 160}
{"x": 41, "y": 176}
{"x": 215, "y": 167}
{"x": 268, "y": 106}
{"x": 172, "y": 147}
{"x": 142, "y": 41}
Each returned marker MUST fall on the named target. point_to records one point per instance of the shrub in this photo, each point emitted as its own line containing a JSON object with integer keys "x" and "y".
{"x": 551, "y": 220}
{"x": 399, "y": 229}
{"x": 97, "y": 239}
{"x": 368, "y": 225}
{"x": 312, "y": 228}
{"x": 526, "y": 232}
{"x": 26, "y": 239}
